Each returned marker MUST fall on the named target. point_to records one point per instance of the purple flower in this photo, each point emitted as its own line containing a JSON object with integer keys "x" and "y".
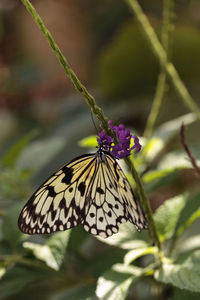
{"x": 122, "y": 149}
{"x": 137, "y": 144}
{"x": 104, "y": 139}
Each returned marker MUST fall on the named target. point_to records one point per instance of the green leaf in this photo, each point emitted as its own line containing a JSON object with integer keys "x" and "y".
{"x": 184, "y": 276}
{"x": 168, "y": 129}
{"x": 58, "y": 243}
{"x": 158, "y": 178}
{"x": 114, "y": 283}
{"x": 11, "y": 233}
{"x": 43, "y": 253}
{"x": 88, "y": 142}
{"x": 189, "y": 214}
{"x": 12, "y": 155}
{"x": 52, "y": 253}
{"x": 164, "y": 133}
{"x": 127, "y": 238}
{"x": 2, "y": 272}
{"x": 187, "y": 244}
{"x": 167, "y": 215}
{"x": 179, "y": 159}
{"x": 136, "y": 253}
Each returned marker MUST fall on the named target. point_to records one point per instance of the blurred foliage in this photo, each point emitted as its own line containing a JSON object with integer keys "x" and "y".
{"x": 74, "y": 264}
{"x": 125, "y": 60}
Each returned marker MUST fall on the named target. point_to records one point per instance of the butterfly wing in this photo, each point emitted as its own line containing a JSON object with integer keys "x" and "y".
{"x": 60, "y": 202}
{"x": 111, "y": 199}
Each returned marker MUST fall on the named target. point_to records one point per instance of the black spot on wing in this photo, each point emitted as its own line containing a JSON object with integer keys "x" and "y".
{"x": 100, "y": 190}
{"x": 68, "y": 174}
{"x": 81, "y": 188}
{"x": 51, "y": 191}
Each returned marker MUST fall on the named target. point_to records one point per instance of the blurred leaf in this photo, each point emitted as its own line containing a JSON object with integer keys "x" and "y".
{"x": 88, "y": 142}
{"x": 53, "y": 252}
{"x": 168, "y": 129}
{"x": 58, "y": 243}
{"x": 136, "y": 253}
{"x": 12, "y": 155}
{"x": 17, "y": 278}
{"x": 114, "y": 283}
{"x": 2, "y": 272}
{"x": 164, "y": 133}
{"x": 188, "y": 214}
{"x": 185, "y": 275}
{"x": 158, "y": 178}
{"x": 167, "y": 215}
{"x": 10, "y": 230}
{"x": 42, "y": 252}
{"x": 127, "y": 238}
{"x": 188, "y": 244}
{"x": 157, "y": 174}
{"x": 37, "y": 154}
{"x": 152, "y": 148}
{"x": 179, "y": 159}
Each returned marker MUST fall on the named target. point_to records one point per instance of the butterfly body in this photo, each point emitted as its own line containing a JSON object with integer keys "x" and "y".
{"x": 91, "y": 190}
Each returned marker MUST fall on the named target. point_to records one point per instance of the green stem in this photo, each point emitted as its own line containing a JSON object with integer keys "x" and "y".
{"x": 161, "y": 84}
{"x": 96, "y": 110}
{"x": 145, "y": 203}
{"x": 162, "y": 57}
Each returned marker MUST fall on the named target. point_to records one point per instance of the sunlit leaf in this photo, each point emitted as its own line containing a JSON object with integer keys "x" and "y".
{"x": 88, "y": 142}
{"x": 136, "y": 253}
{"x": 43, "y": 253}
{"x": 164, "y": 133}
{"x": 185, "y": 275}
{"x": 127, "y": 238}
{"x": 114, "y": 283}
{"x": 58, "y": 244}
{"x": 179, "y": 159}
{"x": 52, "y": 253}
{"x": 187, "y": 244}
{"x": 167, "y": 215}
{"x": 2, "y": 272}
{"x": 189, "y": 214}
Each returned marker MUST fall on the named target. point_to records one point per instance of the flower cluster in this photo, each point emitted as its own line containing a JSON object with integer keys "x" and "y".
{"x": 122, "y": 149}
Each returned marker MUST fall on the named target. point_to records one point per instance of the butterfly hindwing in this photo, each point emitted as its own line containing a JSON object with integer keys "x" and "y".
{"x": 112, "y": 201}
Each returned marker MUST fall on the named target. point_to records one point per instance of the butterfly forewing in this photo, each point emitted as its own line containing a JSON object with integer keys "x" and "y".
{"x": 59, "y": 203}
{"x": 92, "y": 190}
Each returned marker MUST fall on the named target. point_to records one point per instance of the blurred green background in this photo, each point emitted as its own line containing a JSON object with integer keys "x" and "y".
{"x": 42, "y": 119}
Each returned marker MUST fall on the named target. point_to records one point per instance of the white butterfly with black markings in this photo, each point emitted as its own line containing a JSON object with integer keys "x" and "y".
{"x": 91, "y": 190}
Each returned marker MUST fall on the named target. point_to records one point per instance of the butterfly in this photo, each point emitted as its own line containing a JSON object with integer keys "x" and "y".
{"x": 91, "y": 190}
